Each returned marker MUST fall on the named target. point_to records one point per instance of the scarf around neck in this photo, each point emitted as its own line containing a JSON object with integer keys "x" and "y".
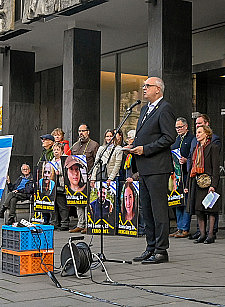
{"x": 198, "y": 159}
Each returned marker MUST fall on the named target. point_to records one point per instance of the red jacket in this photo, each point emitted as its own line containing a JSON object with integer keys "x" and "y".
{"x": 67, "y": 150}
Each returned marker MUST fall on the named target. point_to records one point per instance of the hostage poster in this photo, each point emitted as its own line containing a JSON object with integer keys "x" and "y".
{"x": 108, "y": 209}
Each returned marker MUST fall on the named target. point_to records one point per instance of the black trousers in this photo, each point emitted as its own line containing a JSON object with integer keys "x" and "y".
{"x": 154, "y": 200}
{"x": 11, "y": 200}
{"x": 61, "y": 214}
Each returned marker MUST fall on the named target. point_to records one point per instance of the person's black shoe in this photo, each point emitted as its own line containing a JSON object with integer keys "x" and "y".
{"x": 199, "y": 240}
{"x": 194, "y": 236}
{"x": 11, "y": 220}
{"x": 156, "y": 258}
{"x": 2, "y": 211}
{"x": 143, "y": 256}
{"x": 209, "y": 240}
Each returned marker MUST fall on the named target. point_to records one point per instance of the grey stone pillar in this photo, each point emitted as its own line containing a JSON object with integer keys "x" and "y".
{"x": 81, "y": 82}
{"x": 18, "y": 105}
{"x": 170, "y": 51}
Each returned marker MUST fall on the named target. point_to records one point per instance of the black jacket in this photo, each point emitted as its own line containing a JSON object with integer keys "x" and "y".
{"x": 156, "y": 134}
{"x": 184, "y": 147}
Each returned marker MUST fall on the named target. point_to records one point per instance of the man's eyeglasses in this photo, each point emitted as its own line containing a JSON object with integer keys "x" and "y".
{"x": 148, "y": 85}
{"x": 82, "y": 130}
{"x": 180, "y": 127}
{"x": 25, "y": 169}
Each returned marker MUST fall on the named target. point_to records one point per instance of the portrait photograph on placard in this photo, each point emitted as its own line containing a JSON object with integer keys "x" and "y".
{"x": 45, "y": 191}
{"x": 75, "y": 168}
{"x": 128, "y": 215}
{"x": 176, "y": 186}
{"x": 108, "y": 209}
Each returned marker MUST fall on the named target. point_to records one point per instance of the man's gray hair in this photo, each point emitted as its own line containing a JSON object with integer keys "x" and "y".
{"x": 159, "y": 82}
{"x": 28, "y": 166}
{"x": 184, "y": 121}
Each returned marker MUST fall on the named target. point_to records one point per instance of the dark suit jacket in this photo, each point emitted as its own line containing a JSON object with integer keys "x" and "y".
{"x": 184, "y": 147}
{"x": 157, "y": 133}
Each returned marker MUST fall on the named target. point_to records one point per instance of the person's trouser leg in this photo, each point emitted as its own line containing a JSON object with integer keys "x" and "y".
{"x": 216, "y": 224}
{"x": 179, "y": 216}
{"x": 11, "y": 201}
{"x": 55, "y": 216}
{"x": 81, "y": 217}
{"x": 186, "y": 220}
{"x": 9, "y": 196}
{"x": 153, "y": 193}
{"x": 63, "y": 209}
{"x": 141, "y": 223}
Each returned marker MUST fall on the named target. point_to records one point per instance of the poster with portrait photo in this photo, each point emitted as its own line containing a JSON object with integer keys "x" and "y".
{"x": 45, "y": 191}
{"x": 108, "y": 209}
{"x": 128, "y": 215}
{"x": 75, "y": 170}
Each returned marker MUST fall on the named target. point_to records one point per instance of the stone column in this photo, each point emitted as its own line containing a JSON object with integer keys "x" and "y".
{"x": 18, "y": 105}
{"x": 81, "y": 82}
{"x": 170, "y": 51}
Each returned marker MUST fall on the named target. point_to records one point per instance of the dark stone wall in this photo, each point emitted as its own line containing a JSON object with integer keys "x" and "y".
{"x": 170, "y": 51}
{"x": 81, "y": 81}
{"x": 210, "y": 98}
{"x": 18, "y": 106}
{"x": 48, "y": 105}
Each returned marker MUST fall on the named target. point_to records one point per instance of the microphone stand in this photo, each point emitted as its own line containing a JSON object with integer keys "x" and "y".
{"x": 100, "y": 163}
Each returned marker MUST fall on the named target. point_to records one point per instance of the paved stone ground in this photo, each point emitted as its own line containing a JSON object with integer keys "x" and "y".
{"x": 194, "y": 271}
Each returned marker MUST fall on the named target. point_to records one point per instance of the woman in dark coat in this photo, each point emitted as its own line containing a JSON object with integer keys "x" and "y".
{"x": 205, "y": 159}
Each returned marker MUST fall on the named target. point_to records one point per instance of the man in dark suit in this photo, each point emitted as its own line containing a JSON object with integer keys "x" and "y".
{"x": 155, "y": 134}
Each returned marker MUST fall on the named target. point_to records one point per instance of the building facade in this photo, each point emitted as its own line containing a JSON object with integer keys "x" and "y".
{"x": 67, "y": 62}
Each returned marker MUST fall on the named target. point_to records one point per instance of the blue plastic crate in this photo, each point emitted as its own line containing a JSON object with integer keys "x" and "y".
{"x": 24, "y": 238}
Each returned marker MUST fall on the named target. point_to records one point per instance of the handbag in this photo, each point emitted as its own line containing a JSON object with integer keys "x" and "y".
{"x": 103, "y": 175}
{"x": 203, "y": 181}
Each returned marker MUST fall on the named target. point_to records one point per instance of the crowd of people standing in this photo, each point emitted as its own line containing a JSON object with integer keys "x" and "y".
{"x": 147, "y": 157}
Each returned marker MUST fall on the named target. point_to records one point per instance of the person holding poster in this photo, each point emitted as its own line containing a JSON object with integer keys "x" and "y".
{"x": 60, "y": 218}
{"x": 88, "y": 147}
{"x": 182, "y": 145}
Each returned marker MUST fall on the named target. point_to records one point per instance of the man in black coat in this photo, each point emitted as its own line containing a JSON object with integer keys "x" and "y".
{"x": 20, "y": 190}
{"x": 155, "y": 134}
{"x": 182, "y": 144}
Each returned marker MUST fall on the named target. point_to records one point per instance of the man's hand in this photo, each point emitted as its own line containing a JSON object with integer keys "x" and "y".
{"x": 139, "y": 150}
{"x": 108, "y": 182}
{"x": 128, "y": 147}
{"x": 183, "y": 160}
{"x": 129, "y": 179}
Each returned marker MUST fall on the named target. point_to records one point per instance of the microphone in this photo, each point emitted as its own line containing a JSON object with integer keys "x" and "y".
{"x": 134, "y": 105}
